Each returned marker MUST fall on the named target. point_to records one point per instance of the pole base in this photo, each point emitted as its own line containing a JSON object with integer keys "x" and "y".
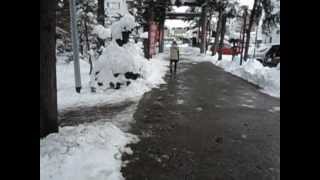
{"x": 78, "y": 89}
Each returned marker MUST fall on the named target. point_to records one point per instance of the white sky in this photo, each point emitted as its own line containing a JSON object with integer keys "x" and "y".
{"x": 176, "y": 22}
{"x": 179, "y": 23}
{"x": 247, "y": 2}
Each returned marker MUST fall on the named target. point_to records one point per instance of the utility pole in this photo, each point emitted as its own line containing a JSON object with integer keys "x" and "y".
{"x": 75, "y": 45}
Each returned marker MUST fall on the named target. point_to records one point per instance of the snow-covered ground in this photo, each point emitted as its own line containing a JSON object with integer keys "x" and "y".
{"x": 85, "y": 152}
{"x": 253, "y": 71}
{"x": 68, "y": 98}
{"x": 94, "y": 150}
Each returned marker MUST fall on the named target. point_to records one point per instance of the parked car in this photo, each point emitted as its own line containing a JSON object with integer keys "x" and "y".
{"x": 227, "y": 49}
{"x": 269, "y": 55}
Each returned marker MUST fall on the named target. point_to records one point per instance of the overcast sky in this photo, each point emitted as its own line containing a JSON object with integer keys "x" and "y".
{"x": 179, "y": 23}
{"x": 247, "y": 2}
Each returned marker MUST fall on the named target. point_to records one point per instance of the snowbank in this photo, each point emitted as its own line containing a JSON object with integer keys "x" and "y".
{"x": 88, "y": 151}
{"x": 153, "y": 72}
{"x": 253, "y": 71}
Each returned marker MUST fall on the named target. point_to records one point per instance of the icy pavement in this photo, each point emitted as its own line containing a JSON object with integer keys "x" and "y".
{"x": 224, "y": 129}
{"x": 268, "y": 79}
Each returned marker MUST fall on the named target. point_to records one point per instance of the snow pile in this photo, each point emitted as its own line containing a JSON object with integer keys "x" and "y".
{"x": 253, "y": 71}
{"x": 102, "y": 32}
{"x": 126, "y": 23}
{"x": 90, "y": 151}
{"x": 152, "y": 73}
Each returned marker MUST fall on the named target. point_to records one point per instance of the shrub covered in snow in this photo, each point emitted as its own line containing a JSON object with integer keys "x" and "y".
{"x": 118, "y": 66}
{"x": 121, "y": 29}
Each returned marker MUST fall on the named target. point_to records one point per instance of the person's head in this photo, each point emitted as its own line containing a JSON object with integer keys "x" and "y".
{"x": 174, "y": 43}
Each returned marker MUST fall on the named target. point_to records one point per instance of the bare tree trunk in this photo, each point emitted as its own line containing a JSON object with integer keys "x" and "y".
{"x": 88, "y": 45}
{"x": 48, "y": 86}
{"x": 223, "y": 31}
{"x": 218, "y": 31}
{"x": 161, "y": 34}
{"x": 203, "y": 29}
{"x": 209, "y": 28}
{"x": 100, "y": 19}
{"x": 251, "y": 20}
{"x": 243, "y": 34}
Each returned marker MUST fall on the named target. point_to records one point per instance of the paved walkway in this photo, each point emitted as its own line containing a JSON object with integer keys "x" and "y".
{"x": 205, "y": 124}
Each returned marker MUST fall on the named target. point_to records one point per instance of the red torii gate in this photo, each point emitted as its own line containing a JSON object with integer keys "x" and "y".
{"x": 156, "y": 29}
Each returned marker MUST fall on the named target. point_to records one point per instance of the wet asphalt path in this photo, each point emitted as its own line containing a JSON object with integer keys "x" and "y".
{"x": 205, "y": 124}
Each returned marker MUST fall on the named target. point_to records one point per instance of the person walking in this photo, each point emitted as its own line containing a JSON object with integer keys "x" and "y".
{"x": 174, "y": 56}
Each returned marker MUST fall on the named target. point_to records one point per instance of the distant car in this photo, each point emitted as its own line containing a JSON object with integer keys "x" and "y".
{"x": 269, "y": 55}
{"x": 227, "y": 49}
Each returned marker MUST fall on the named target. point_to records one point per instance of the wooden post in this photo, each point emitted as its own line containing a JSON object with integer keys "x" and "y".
{"x": 48, "y": 84}
{"x": 203, "y": 29}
